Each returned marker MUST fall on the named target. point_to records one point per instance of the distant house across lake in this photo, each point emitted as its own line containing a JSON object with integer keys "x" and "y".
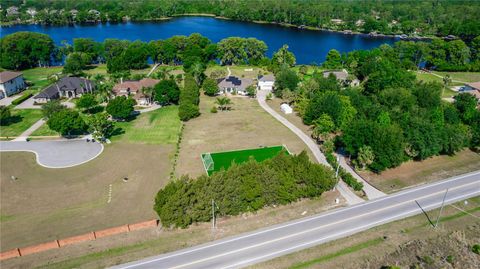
{"x": 11, "y": 83}
{"x": 67, "y": 87}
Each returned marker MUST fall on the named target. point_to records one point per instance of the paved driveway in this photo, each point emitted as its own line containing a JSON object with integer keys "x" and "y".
{"x": 8, "y": 100}
{"x": 57, "y": 154}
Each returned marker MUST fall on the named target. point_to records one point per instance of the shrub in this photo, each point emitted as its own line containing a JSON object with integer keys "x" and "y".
{"x": 245, "y": 187}
{"x": 21, "y": 99}
{"x": 346, "y": 176}
{"x": 214, "y": 109}
{"x": 187, "y": 111}
{"x": 476, "y": 249}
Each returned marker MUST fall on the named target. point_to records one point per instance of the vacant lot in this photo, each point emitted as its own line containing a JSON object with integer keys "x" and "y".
{"x": 247, "y": 125}
{"x": 122, "y": 248}
{"x": 22, "y": 119}
{"x": 45, "y": 204}
{"x": 414, "y": 173}
{"x": 160, "y": 126}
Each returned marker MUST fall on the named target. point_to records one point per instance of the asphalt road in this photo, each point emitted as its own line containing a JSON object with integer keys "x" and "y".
{"x": 261, "y": 245}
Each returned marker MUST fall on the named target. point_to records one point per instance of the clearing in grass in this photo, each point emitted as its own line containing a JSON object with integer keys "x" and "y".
{"x": 214, "y": 162}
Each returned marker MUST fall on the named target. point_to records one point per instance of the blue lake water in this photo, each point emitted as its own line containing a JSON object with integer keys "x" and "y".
{"x": 307, "y": 45}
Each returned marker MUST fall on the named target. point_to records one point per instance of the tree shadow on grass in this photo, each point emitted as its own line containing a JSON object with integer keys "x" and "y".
{"x": 12, "y": 120}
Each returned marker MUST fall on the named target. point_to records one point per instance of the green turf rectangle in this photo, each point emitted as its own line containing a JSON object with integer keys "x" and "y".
{"x": 223, "y": 160}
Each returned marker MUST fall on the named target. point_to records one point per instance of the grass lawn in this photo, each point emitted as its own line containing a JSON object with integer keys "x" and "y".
{"x": 156, "y": 127}
{"x": 39, "y": 76}
{"x": 22, "y": 120}
{"x": 102, "y": 69}
{"x": 44, "y": 131}
{"x": 462, "y": 76}
{"x": 413, "y": 172}
{"x": 223, "y": 160}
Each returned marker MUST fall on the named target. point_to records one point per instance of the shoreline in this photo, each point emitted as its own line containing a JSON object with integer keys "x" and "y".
{"x": 288, "y": 25}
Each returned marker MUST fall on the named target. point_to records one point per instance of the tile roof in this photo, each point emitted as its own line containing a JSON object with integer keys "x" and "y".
{"x": 475, "y": 85}
{"x": 135, "y": 86}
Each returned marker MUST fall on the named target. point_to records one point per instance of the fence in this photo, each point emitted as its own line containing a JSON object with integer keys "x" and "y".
{"x": 18, "y": 252}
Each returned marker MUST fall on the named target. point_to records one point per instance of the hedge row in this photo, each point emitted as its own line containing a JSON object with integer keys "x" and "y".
{"x": 245, "y": 187}
{"x": 346, "y": 176}
{"x": 21, "y": 99}
{"x": 189, "y": 99}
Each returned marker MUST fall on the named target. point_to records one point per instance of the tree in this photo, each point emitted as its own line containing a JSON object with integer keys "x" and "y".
{"x": 22, "y": 50}
{"x": 323, "y": 126}
{"x": 251, "y": 91}
{"x": 86, "y": 102}
{"x": 66, "y": 122}
{"x": 120, "y": 107}
{"x": 187, "y": 111}
{"x": 51, "y": 107}
{"x": 365, "y": 156}
{"x": 285, "y": 79}
{"x": 99, "y": 126}
{"x": 5, "y": 115}
{"x": 167, "y": 92}
{"x": 223, "y": 103}
{"x": 76, "y": 62}
{"x": 210, "y": 87}
{"x": 284, "y": 57}
{"x": 466, "y": 105}
{"x": 333, "y": 60}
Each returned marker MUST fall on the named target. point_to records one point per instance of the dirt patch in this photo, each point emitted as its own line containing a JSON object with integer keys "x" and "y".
{"x": 246, "y": 126}
{"x": 413, "y": 173}
{"x": 44, "y": 204}
{"x": 135, "y": 245}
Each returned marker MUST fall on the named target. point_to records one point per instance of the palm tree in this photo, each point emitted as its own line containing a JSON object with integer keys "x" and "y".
{"x": 104, "y": 91}
{"x": 197, "y": 72}
{"x": 446, "y": 81}
{"x": 149, "y": 91}
{"x": 223, "y": 103}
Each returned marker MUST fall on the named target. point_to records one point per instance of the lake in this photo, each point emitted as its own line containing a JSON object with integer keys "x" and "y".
{"x": 308, "y": 46}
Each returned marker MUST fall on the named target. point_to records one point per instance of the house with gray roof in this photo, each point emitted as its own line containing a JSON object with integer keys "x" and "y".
{"x": 234, "y": 85}
{"x": 67, "y": 87}
{"x": 266, "y": 82}
{"x": 343, "y": 77}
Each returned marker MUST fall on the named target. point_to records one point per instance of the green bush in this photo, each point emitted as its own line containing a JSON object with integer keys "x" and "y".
{"x": 346, "y": 176}
{"x": 476, "y": 249}
{"x": 187, "y": 111}
{"x": 245, "y": 187}
{"x": 22, "y": 99}
{"x": 214, "y": 109}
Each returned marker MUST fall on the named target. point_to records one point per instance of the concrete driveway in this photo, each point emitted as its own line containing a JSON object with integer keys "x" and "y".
{"x": 58, "y": 153}
{"x": 28, "y": 104}
{"x": 8, "y": 100}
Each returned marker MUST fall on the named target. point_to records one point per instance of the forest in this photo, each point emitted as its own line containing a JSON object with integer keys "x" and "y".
{"x": 412, "y": 17}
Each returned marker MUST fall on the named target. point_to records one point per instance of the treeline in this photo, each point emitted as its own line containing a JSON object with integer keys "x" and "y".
{"x": 431, "y": 17}
{"x": 245, "y": 187}
{"x": 391, "y": 117}
{"x": 24, "y": 50}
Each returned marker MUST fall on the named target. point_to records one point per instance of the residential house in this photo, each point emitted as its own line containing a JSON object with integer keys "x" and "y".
{"x": 266, "y": 82}
{"x": 234, "y": 85}
{"x": 336, "y": 21}
{"x": 13, "y": 11}
{"x": 66, "y": 87}
{"x": 135, "y": 89}
{"x": 11, "y": 83}
{"x": 474, "y": 89}
{"x": 32, "y": 12}
{"x": 343, "y": 77}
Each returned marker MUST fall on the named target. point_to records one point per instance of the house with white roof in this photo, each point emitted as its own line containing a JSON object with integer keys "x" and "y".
{"x": 266, "y": 82}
